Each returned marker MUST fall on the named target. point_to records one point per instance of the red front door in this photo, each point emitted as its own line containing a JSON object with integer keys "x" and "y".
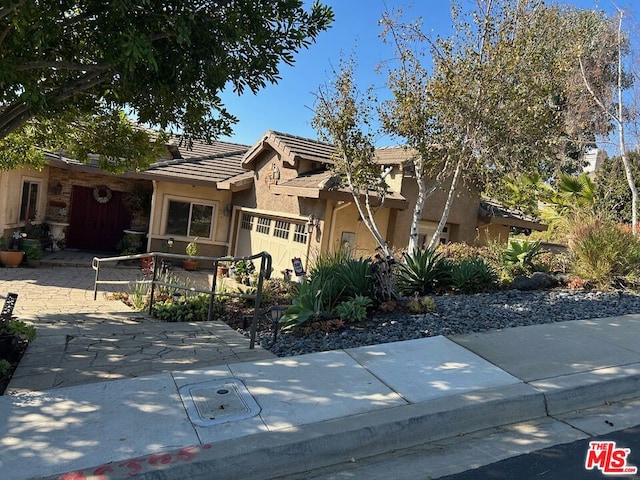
{"x": 95, "y": 225}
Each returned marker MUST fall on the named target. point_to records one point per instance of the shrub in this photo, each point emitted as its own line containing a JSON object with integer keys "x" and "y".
{"x": 457, "y": 252}
{"x": 422, "y": 272}
{"x": 193, "y": 309}
{"x": 472, "y": 276}
{"x": 356, "y": 277}
{"x": 521, "y": 253}
{"x": 604, "y": 253}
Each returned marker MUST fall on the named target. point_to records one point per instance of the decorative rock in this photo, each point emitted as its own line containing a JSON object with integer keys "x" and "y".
{"x": 459, "y": 314}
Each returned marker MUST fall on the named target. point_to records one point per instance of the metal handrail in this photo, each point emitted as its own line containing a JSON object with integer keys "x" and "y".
{"x": 264, "y": 272}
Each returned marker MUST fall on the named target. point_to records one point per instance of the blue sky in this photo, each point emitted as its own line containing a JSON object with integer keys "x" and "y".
{"x": 288, "y": 106}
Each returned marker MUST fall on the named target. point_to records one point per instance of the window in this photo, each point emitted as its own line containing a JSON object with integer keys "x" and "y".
{"x": 247, "y": 222}
{"x": 281, "y": 229}
{"x": 264, "y": 225}
{"x": 29, "y": 203}
{"x": 189, "y": 219}
{"x": 300, "y": 233}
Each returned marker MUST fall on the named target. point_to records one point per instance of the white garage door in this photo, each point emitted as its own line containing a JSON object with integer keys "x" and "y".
{"x": 283, "y": 238}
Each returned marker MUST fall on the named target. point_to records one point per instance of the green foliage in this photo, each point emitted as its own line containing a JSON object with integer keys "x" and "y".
{"x": 422, "y": 272}
{"x": 139, "y": 295}
{"x": 5, "y": 367}
{"x": 604, "y": 253}
{"x": 521, "y": 254}
{"x": 306, "y": 307}
{"x": 354, "y": 309}
{"x": 64, "y": 61}
{"x": 193, "y": 309}
{"x": 472, "y": 276}
{"x": 192, "y": 248}
{"x": 357, "y": 277}
{"x": 34, "y": 252}
{"x": 612, "y": 192}
{"x": 18, "y": 328}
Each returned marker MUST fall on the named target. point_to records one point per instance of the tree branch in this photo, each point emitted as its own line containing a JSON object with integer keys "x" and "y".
{"x": 18, "y": 114}
{"x": 62, "y": 66}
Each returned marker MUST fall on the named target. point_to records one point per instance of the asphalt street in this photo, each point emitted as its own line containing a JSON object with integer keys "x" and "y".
{"x": 561, "y": 462}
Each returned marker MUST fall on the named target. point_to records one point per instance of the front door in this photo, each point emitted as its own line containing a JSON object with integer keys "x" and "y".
{"x": 97, "y": 219}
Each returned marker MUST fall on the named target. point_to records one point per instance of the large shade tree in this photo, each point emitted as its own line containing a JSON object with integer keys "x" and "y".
{"x": 81, "y": 63}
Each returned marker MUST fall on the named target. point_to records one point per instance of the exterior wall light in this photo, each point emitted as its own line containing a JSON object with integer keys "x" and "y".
{"x": 312, "y": 223}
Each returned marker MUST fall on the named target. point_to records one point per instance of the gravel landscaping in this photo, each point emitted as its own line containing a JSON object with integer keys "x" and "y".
{"x": 459, "y": 314}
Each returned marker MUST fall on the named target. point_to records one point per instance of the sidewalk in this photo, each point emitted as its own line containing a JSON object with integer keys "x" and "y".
{"x": 268, "y": 417}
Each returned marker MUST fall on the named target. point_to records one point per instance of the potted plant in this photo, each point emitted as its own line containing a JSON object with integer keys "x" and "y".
{"x": 243, "y": 269}
{"x": 191, "y": 250}
{"x": 11, "y": 257}
{"x": 34, "y": 254}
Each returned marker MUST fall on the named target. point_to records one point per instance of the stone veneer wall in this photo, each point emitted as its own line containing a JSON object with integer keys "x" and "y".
{"x": 61, "y": 182}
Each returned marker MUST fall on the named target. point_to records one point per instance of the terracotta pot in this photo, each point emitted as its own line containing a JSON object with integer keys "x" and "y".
{"x": 11, "y": 258}
{"x": 223, "y": 271}
{"x": 190, "y": 265}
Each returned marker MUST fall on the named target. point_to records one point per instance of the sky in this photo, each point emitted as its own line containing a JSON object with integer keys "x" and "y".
{"x": 288, "y": 106}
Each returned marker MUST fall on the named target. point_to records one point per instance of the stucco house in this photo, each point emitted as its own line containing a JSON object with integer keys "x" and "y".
{"x": 277, "y": 195}
{"x": 91, "y": 205}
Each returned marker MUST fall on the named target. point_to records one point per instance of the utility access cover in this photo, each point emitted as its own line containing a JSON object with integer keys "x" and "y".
{"x": 212, "y": 403}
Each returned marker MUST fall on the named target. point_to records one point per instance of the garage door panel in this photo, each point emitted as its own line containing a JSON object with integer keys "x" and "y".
{"x": 274, "y": 235}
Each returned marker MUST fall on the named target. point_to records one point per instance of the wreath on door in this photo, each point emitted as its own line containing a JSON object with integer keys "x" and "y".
{"x": 102, "y": 194}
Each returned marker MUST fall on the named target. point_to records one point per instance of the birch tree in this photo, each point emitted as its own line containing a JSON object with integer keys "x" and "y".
{"x": 343, "y": 117}
{"x": 495, "y": 98}
{"x": 611, "y": 101}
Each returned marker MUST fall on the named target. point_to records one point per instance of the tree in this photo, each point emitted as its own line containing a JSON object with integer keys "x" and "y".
{"x": 411, "y": 116}
{"x": 497, "y": 92}
{"x": 612, "y": 192}
{"x": 163, "y": 61}
{"x": 610, "y": 100}
{"x": 342, "y": 118}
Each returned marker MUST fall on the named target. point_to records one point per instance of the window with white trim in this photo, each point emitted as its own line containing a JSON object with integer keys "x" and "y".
{"x": 281, "y": 229}
{"x": 189, "y": 219}
{"x": 300, "y": 233}
{"x": 264, "y": 225}
{"x": 29, "y": 200}
{"x": 247, "y": 222}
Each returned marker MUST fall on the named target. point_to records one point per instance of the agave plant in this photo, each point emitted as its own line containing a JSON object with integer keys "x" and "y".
{"x": 472, "y": 276}
{"x": 422, "y": 272}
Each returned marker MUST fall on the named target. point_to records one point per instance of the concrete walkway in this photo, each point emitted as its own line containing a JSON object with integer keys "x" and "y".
{"x": 276, "y": 416}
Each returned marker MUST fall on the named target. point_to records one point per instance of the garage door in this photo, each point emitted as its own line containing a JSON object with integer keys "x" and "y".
{"x": 281, "y": 237}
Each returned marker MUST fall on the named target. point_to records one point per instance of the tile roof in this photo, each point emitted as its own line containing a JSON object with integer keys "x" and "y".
{"x": 293, "y": 147}
{"x": 491, "y": 211}
{"x": 320, "y": 183}
{"x": 202, "y": 163}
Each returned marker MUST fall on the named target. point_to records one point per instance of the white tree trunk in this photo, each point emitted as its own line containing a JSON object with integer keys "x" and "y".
{"x": 447, "y": 206}
{"x": 618, "y": 119}
{"x": 423, "y": 194}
